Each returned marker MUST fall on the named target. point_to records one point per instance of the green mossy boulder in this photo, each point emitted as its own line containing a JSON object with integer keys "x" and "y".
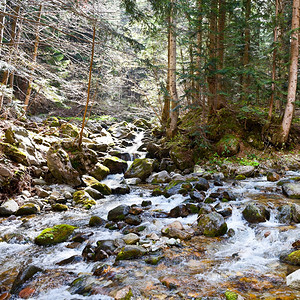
{"x": 83, "y": 198}
{"x": 14, "y": 153}
{"x": 96, "y": 221}
{"x": 95, "y": 184}
{"x": 292, "y": 258}
{"x": 182, "y": 157}
{"x": 100, "y": 171}
{"x": 140, "y": 168}
{"x": 292, "y": 190}
{"x": 131, "y": 252}
{"x": 212, "y": 224}
{"x": 28, "y": 209}
{"x": 229, "y": 295}
{"x": 59, "y": 207}
{"x": 54, "y": 235}
{"x": 255, "y": 213}
{"x": 115, "y": 164}
{"x": 228, "y": 145}
{"x": 240, "y": 177}
{"x": 69, "y": 130}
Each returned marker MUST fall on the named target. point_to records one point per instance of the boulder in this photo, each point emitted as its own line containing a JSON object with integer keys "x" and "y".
{"x": 292, "y": 258}
{"x": 293, "y": 280}
{"x": 14, "y": 153}
{"x": 131, "y": 252}
{"x": 8, "y": 208}
{"x": 296, "y": 213}
{"x": 69, "y": 130}
{"x": 182, "y": 157}
{"x": 160, "y": 177}
{"x": 83, "y": 198}
{"x": 95, "y": 184}
{"x": 59, "y": 164}
{"x": 292, "y": 190}
{"x": 28, "y": 209}
{"x": 54, "y": 235}
{"x": 212, "y": 224}
{"x": 133, "y": 220}
{"x": 140, "y": 168}
{"x": 94, "y": 193}
{"x": 96, "y": 221}
{"x": 273, "y": 176}
{"x": 179, "y": 211}
{"x": 59, "y": 207}
{"x": 118, "y": 213}
{"x": 255, "y": 213}
{"x": 115, "y": 164}
{"x": 285, "y": 214}
{"x": 246, "y": 171}
{"x": 99, "y": 171}
{"x": 229, "y": 145}
{"x": 201, "y": 185}
{"x": 120, "y": 189}
{"x": 131, "y": 238}
{"x": 124, "y": 293}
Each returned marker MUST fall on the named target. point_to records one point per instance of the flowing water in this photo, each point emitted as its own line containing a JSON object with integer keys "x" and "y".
{"x": 247, "y": 262}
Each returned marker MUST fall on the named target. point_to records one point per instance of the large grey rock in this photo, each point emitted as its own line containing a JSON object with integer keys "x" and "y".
{"x": 160, "y": 177}
{"x": 255, "y": 213}
{"x": 140, "y": 168}
{"x": 118, "y": 213}
{"x": 212, "y": 224}
{"x": 131, "y": 238}
{"x": 293, "y": 280}
{"x": 60, "y": 166}
{"x": 131, "y": 252}
{"x": 292, "y": 190}
{"x": 8, "y": 208}
{"x": 245, "y": 170}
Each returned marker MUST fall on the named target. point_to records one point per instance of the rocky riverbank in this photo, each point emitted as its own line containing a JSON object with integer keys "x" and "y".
{"x": 90, "y": 221}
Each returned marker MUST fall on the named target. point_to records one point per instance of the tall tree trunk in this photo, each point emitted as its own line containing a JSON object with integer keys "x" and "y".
{"x": 2, "y": 22}
{"x": 274, "y": 62}
{"x": 246, "y": 53}
{"x": 212, "y": 49}
{"x": 293, "y": 72}
{"x": 34, "y": 57}
{"x": 198, "y": 99}
{"x": 89, "y": 87}
{"x": 221, "y": 102}
{"x": 174, "y": 113}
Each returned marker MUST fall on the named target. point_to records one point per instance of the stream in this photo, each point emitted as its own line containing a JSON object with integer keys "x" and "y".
{"x": 200, "y": 268}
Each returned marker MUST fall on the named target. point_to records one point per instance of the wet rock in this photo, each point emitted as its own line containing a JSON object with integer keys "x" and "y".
{"x": 100, "y": 255}
{"x": 296, "y": 213}
{"x": 197, "y": 196}
{"x": 70, "y": 260}
{"x": 226, "y": 212}
{"x": 293, "y": 280}
{"x": 292, "y": 190}
{"x": 205, "y": 209}
{"x": 170, "y": 282}
{"x": 182, "y": 157}
{"x": 8, "y": 208}
{"x": 133, "y": 220}
{"x": 81, "y": 237}
{"x": 54, "y": 235}
{"x": 273, "y": 176}
{"x": 230, "y": 295}
{"x": 26, "y": 292}
{"x": 95, "y": 184}
{"x": 14, "y": 153}
{"x": 123, "y": 294}
{"x": 82, "y": 285}
{"x": 212, "y": 224}
{"x": 94, "y": 193}
{"x": 131, "y": 252}
{"x": 118, "y": 213}
{"x": 240, "y": 177}
{"x": 136, "y": 210}
{"x": 96, "y": 221}
{"x": 176, "y": 230}
{"x": 229, "y": 145}
{"x": 146, "y": 203}
{"x": 153, "y": 260}
{"x": 41, "y": 192}
{"x": 285, "y": 214}
{"x": 193, "y": 208}
{"x": 167, "y": 164}
{"x": 59, "y": 164}
{"x": 59, "y": 207}
{"x": 133, "y": 181}
{"x": 202, "y": 185}
{"x": 255, "y": 213}
{"x": 84, "y": 199}
{"x": 24, "y": 275}
{"x": 120, "y": 189}
{"x": 28, "y": 209}
{"x": 228, "y": 195}
{"x": 99, "y": 270}
{"x": 160, "y": 177}
{"x": 5, "y": 296}
{"x": 291, "y": 258}
{"x": 179, "y": 211}
{"x": 106, "y": 245}
{"x": 140, "y": 168}
{"x": 115, "y": 164}
{"x": 99, "y": 171}
{"x": 131, "y": 238}
{"x": 246, "y": 171}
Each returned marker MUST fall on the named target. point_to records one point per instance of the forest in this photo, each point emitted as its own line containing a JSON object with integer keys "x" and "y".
{"x": 149, "y": 149}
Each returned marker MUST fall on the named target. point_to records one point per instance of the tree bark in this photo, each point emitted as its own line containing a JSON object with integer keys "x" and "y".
{"x": 293, "y": 72}
{"x": 212, "y": 50}
{"x": 2, "y": 22}
{"x": 174, "y": 113}
{"x": 89, "y": 87}
{"x": 34, "y": 57}
{"x": 221, "y": 100}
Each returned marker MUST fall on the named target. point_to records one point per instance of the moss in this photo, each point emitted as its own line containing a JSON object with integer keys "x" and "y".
{"x": 54, "y": 235}
{"x": 229, "y": 295}
{"x": 59, "y": 207}
{"x": 82, "y": 197}
{"x": 294, "y": 258}
{"x": 240, "y": 177}
{"x": 14, "y": 153}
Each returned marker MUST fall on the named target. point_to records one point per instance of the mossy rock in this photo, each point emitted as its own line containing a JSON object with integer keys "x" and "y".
{"x": 140, "y": 168}
{"x": 115, "y": 164}
{"x": 228, "y": 145}
{"x": 212, "y": 224}
{"x": 54, "y": 235}
{"x": 95, "y": 184}
{"x": 28, "y": 209}
{"x": 240, "y": 177}
{"x": 182, "y": 157}
{"x": 100, "y": 171}
{"x": 255, "y": 213}
{"x": 59, "y": 207}
{"x": 52, "y": 122}
{"x": 292, "y": 258}
{"x": 230, "y": 295}
{"x": 131, "y": 252}
{"x": 69, "y": 130}
{"x": 14, "y": 153}
{"x": 83, "y": 198}
{"x": 96, "y": 221}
